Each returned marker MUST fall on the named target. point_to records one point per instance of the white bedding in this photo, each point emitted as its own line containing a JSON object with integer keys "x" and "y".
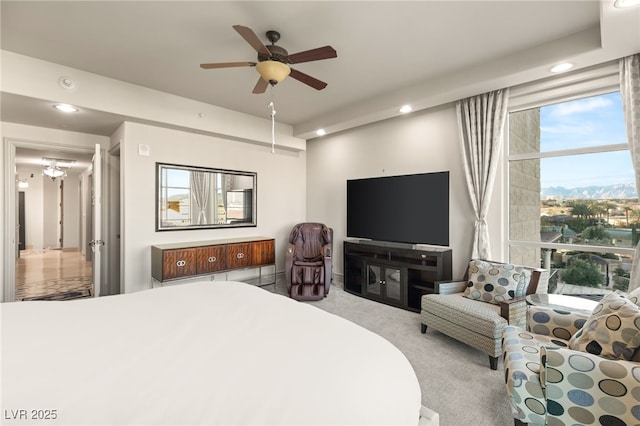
{"x": 207, "y": 353}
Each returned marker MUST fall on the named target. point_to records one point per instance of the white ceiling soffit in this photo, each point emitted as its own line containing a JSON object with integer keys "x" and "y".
{"x": 424, "y": 53}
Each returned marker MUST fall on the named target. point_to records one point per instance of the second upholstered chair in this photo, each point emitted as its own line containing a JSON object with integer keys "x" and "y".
{"x": 476, "y": 309}
{"x": 569, "y": 368}
{"x": 308, "y": 261}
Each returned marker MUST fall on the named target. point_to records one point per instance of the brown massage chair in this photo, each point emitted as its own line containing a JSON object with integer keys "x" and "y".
{"x": 308, "y": 261}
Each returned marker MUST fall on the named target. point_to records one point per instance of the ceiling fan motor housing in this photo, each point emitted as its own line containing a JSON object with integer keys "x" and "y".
{"x": 277, "y": 54}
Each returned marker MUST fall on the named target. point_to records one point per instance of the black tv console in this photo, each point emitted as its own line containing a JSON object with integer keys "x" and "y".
{"x": 395, "y": 275}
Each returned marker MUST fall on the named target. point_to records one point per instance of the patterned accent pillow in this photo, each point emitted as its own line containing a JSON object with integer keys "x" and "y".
{"x": 496, "y": 282}
{"x": 612, "y": 331}
{"x": 634, "y": 296}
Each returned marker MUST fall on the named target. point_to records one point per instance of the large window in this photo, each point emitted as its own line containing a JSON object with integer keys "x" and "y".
{"x": 573, "y": 205}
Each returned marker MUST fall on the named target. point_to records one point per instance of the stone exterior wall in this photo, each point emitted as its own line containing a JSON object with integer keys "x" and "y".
{"x": 524, "y": 186}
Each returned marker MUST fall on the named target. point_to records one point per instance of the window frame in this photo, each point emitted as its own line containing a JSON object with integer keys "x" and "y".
{"x": 593, "y": 81}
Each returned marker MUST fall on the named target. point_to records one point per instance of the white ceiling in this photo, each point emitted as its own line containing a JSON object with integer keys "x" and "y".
{"x": 389, "y": 52}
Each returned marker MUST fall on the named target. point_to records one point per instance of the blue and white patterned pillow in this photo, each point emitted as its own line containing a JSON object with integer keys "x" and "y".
{"x": 612, "y": 331}
{"x": 495, "y": 282}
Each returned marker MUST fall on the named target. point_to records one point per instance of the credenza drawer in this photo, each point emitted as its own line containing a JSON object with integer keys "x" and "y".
{"x": 211, "y": 259}
{"x": 238, "y": 256}
{"x": 263, "y": 252}
{"x": 178, "y": 263}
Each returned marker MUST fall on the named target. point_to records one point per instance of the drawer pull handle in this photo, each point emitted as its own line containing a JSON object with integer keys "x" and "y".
{"x": 240, "y": 255}
{"x": 181, "y": 263}
{"x": 212, "y": 259}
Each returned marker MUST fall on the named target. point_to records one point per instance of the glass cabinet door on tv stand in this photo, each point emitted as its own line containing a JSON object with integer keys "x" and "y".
{"x": 384, "y": 282}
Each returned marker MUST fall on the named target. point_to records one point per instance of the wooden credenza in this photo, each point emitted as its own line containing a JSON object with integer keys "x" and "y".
{"x": 197, "y": 258}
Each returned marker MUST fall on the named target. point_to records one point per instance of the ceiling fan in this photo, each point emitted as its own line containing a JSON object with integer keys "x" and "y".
{"x": 273, "y": 61}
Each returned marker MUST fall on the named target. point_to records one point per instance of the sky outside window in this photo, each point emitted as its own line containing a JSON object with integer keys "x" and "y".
{"x": 587, "y": 122}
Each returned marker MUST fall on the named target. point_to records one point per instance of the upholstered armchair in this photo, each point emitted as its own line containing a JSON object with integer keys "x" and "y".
{"x": 569, "y": 368}
{"x": 476, "y": 309}
{"x": 308, "y": 261}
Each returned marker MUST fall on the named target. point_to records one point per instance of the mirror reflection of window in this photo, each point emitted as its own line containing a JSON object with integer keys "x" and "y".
{"x": 222, "y": 209}
{"x": 239, "y": 205}
{"x": 197, "y": 197}
{"x": 176, "y": 206}
{"x": 201, "y": 192}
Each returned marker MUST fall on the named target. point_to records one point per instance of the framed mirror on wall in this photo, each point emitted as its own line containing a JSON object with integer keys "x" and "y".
{"x": 191, "y": 197}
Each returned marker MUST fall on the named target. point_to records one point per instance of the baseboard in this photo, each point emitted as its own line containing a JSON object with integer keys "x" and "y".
{"x": 338, "y": 280}
{"x": 69, "y": 249}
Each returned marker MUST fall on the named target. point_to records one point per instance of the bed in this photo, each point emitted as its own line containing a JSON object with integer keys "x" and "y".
{"x": 205, "y": 353}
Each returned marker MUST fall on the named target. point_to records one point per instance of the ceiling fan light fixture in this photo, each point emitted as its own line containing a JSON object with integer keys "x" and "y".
{"x": 273, "y": 71}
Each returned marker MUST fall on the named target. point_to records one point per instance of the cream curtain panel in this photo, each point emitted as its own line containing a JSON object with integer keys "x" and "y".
{"x": 630, "y": 90}
{"x": 481, "y": 122}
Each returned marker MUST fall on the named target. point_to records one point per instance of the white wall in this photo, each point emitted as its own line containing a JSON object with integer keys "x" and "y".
{"x": 34, "y": 211}
{"x": 71, "y": 203}
{"x": 281, "y": 192}
{"x": 424, "y": 141}
{"x": 51, "y": 213}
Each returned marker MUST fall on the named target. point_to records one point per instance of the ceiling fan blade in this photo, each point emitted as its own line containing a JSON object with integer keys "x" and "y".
{"x": 307, "y": 79}
{"x": 251, "y": 38}
{"x": 261, "y": 86}
{"x": 325, "y": 52}
{"x": 227, "y": 65}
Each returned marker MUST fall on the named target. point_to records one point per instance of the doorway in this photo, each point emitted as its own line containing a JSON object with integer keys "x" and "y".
{"x": 53, "y": 261}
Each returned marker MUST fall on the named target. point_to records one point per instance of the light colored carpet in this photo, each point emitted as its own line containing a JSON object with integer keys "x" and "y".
{"x": 455, "y": 379}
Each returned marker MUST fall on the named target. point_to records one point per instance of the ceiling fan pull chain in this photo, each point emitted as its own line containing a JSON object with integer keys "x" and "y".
{"x": 273, "y": 124}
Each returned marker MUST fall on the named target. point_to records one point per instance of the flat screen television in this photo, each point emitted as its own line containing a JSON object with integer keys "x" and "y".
{"x": 410, "y": 209}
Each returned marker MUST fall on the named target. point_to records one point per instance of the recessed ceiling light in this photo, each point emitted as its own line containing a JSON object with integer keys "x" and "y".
{"x": 621, "y": 4}
{"x": 565, "y": 66}
{"x": 405, "y": 109}
{"x": 66, "y": 108}
{"x": 321, "y": 132}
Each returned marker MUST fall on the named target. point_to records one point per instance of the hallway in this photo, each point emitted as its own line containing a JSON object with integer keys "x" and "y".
{"x": 52, "y": 272}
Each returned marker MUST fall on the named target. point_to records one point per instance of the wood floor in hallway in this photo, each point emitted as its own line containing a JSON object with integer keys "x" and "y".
{"x": 51, "y": 272}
